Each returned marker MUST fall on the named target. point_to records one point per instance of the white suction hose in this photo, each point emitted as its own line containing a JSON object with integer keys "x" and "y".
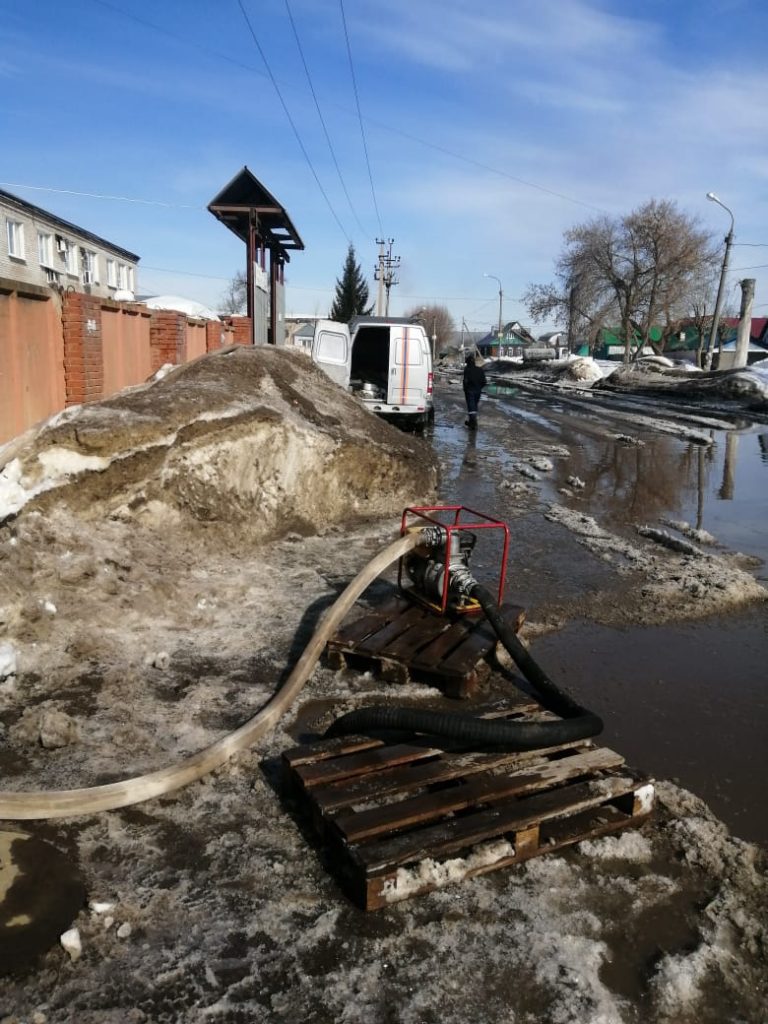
{"x": 65, "y": 803}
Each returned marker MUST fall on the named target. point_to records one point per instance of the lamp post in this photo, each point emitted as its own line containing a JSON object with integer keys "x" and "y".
{"x": 501, "y": 296}
{"x": 721, "y": 286}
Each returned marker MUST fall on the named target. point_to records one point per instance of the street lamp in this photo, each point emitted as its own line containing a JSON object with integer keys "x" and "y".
{"x": 500, "y": 301}
{"x": 721, "y": 286}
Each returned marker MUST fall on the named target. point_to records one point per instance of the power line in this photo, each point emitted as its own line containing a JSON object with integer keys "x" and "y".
{"x": 360, "y": 115}
{"x": 320, "y": 115}
{"x": 290, "y": 119}
{"x": 753, "y": 245}
{"x": 186, "y": 41}
{"x": 325, "y": 288}
{"x": 484, "y": 167}
{"x": 760, "y": 266}
{"x": 96, "y": 195}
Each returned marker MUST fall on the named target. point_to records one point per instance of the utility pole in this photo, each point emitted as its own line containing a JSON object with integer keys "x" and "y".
{"x": 713, "y": 340}
{"x": 386, "y": 274}
{"x": 745, "y": 322}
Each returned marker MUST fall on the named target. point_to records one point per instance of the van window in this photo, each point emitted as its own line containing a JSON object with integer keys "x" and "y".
{"x": 412, "y": 351}
{"x": 331, "y": 347}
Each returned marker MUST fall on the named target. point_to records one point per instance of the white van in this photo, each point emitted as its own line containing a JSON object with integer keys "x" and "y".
{"x": 385, "y": 361}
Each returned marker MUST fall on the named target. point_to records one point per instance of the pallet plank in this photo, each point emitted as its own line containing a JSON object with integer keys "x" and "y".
{"x": 459, "y": 833}
{"x": 489, "y": 788}
{"x": 419, "y": 775}
{"x": 378, "y": 642}
{"x": 410, "y": 643}
{"x": 384, "y": 890}
{"x": 324, "y": 749}
{"x": 370, "y": 760}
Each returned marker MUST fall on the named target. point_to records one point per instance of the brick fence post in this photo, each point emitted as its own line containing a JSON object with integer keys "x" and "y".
{"x": 167, "y": 338}
{"x": 241, "y": 330}
{"x": 83, "y": 351}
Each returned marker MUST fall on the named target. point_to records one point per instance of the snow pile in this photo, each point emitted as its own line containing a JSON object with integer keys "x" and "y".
{"x": 584, "y": 369}
{"x": 190, "y": 307}
{"x": 437, "y": 874}
{"x": 686, "y": 582}
{"x": 257, "y": 438}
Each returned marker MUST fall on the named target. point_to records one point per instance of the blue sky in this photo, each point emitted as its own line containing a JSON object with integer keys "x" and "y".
{"x": 491, "y": 126}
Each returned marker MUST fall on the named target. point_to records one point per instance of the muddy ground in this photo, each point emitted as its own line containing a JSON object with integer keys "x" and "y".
{"x": 138, "y": 641}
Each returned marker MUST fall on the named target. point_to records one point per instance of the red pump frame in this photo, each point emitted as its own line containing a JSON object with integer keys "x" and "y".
{"x": 426, "y": 515}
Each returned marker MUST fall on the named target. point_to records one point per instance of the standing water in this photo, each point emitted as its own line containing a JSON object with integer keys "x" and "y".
{"x": 682, "y": 697}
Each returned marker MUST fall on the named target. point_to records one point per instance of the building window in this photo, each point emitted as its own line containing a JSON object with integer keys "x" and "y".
{"x": 45, "y": 249}
{"x": 131, "y": 280}
{"x": 70, "y": 256}
{"x": 111, "y": 273}
{"x": 121, "y": 282}
{"x": 90, "y": 265}
{"x": 16, "y": 239}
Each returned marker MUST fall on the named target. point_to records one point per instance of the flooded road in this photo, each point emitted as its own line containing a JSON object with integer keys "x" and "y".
{"x": 685, "y": 700}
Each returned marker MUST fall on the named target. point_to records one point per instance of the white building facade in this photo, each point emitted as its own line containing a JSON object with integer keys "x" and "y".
{"x": 37, "y": 247}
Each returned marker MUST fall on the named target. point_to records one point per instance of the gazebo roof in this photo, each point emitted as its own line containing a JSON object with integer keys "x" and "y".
{"x": 245, "y": 197}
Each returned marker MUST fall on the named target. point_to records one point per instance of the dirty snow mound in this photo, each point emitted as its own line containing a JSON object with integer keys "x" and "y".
{"x": 686, "y": 582}
{"x": 258, "y": 438}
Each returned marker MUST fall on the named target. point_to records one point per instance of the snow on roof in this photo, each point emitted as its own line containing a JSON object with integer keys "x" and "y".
{"x": 182, "y": 305}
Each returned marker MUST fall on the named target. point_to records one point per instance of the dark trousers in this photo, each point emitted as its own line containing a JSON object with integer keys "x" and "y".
{"x": 473, "y": 400}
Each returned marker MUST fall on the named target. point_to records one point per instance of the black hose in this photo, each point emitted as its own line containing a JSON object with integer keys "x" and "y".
{"x": 577, "y": 723}
{"x": 475, "y": 732}
{"x": 554, "y": 698}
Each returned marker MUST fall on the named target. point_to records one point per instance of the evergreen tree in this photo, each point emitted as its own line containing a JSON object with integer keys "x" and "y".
{"x": 351, "y": 297}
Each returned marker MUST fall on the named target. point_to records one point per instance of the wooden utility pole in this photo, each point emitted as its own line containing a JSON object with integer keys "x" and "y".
{"x": 745, "y": 322}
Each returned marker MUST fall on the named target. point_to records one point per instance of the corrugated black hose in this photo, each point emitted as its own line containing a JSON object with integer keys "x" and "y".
{"x": 576, "y": 723}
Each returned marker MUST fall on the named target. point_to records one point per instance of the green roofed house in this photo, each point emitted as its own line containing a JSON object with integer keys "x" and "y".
{"x": 513, "y": 342}
{"x": 683, "y": 341}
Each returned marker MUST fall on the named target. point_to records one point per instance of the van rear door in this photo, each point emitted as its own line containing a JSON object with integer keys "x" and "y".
{"x": 407, "y": 367}
{"x": 331, "y": 350}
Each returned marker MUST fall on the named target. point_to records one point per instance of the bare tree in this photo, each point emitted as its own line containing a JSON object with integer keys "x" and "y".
{"x": 626, "y": 271}
{"x": 234, "y": 300}
{"x": 437, "y": 321}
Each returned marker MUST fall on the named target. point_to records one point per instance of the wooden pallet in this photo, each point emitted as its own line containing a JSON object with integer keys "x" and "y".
{"x": 401, "y": 819}
{"x": 404, "y": 640}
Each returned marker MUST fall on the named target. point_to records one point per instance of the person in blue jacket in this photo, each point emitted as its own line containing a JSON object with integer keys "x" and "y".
{"x": 474, "y": 382}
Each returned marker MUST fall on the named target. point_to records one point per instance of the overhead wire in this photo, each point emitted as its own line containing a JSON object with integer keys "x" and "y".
{"x": 96, "y": 195}
{"x": 320, "y": 115}
{"x": 290, "y": 119}
{"x": 360, "y": 115}
{"x": 370, "y": 120}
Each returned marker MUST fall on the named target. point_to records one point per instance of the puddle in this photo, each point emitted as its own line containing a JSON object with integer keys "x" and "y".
{"x": 722, "y": 489}
{"x": 685, "y": 701}
{"x": 42, "y": 893}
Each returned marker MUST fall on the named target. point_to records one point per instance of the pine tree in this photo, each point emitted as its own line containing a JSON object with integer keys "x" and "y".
{"x": 351, "y": 297}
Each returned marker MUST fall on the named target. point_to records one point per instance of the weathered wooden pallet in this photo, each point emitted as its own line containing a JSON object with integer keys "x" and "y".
{"x": 404, "y": 640}
{"x": 401, "y": 819}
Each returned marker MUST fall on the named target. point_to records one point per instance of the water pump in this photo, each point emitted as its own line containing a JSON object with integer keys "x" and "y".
{"x": 438, "y": 569}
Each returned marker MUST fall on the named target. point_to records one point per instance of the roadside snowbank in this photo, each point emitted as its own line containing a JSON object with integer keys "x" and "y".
{"x": 693, "y": 582}
{"x": 212, "y": 441}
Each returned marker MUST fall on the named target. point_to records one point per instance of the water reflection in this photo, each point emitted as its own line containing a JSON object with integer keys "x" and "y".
{"x": 640, "y": 482}
{"x": 728, "y": 485}
{"x": 722, "y": 488}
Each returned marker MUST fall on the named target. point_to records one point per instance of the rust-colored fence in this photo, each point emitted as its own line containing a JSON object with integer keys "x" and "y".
{"x": 31, "y": 359}
{"x": 57, "y": 351}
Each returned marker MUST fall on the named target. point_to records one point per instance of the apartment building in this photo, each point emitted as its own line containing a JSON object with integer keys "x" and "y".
{"x": 37, "y": 247}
